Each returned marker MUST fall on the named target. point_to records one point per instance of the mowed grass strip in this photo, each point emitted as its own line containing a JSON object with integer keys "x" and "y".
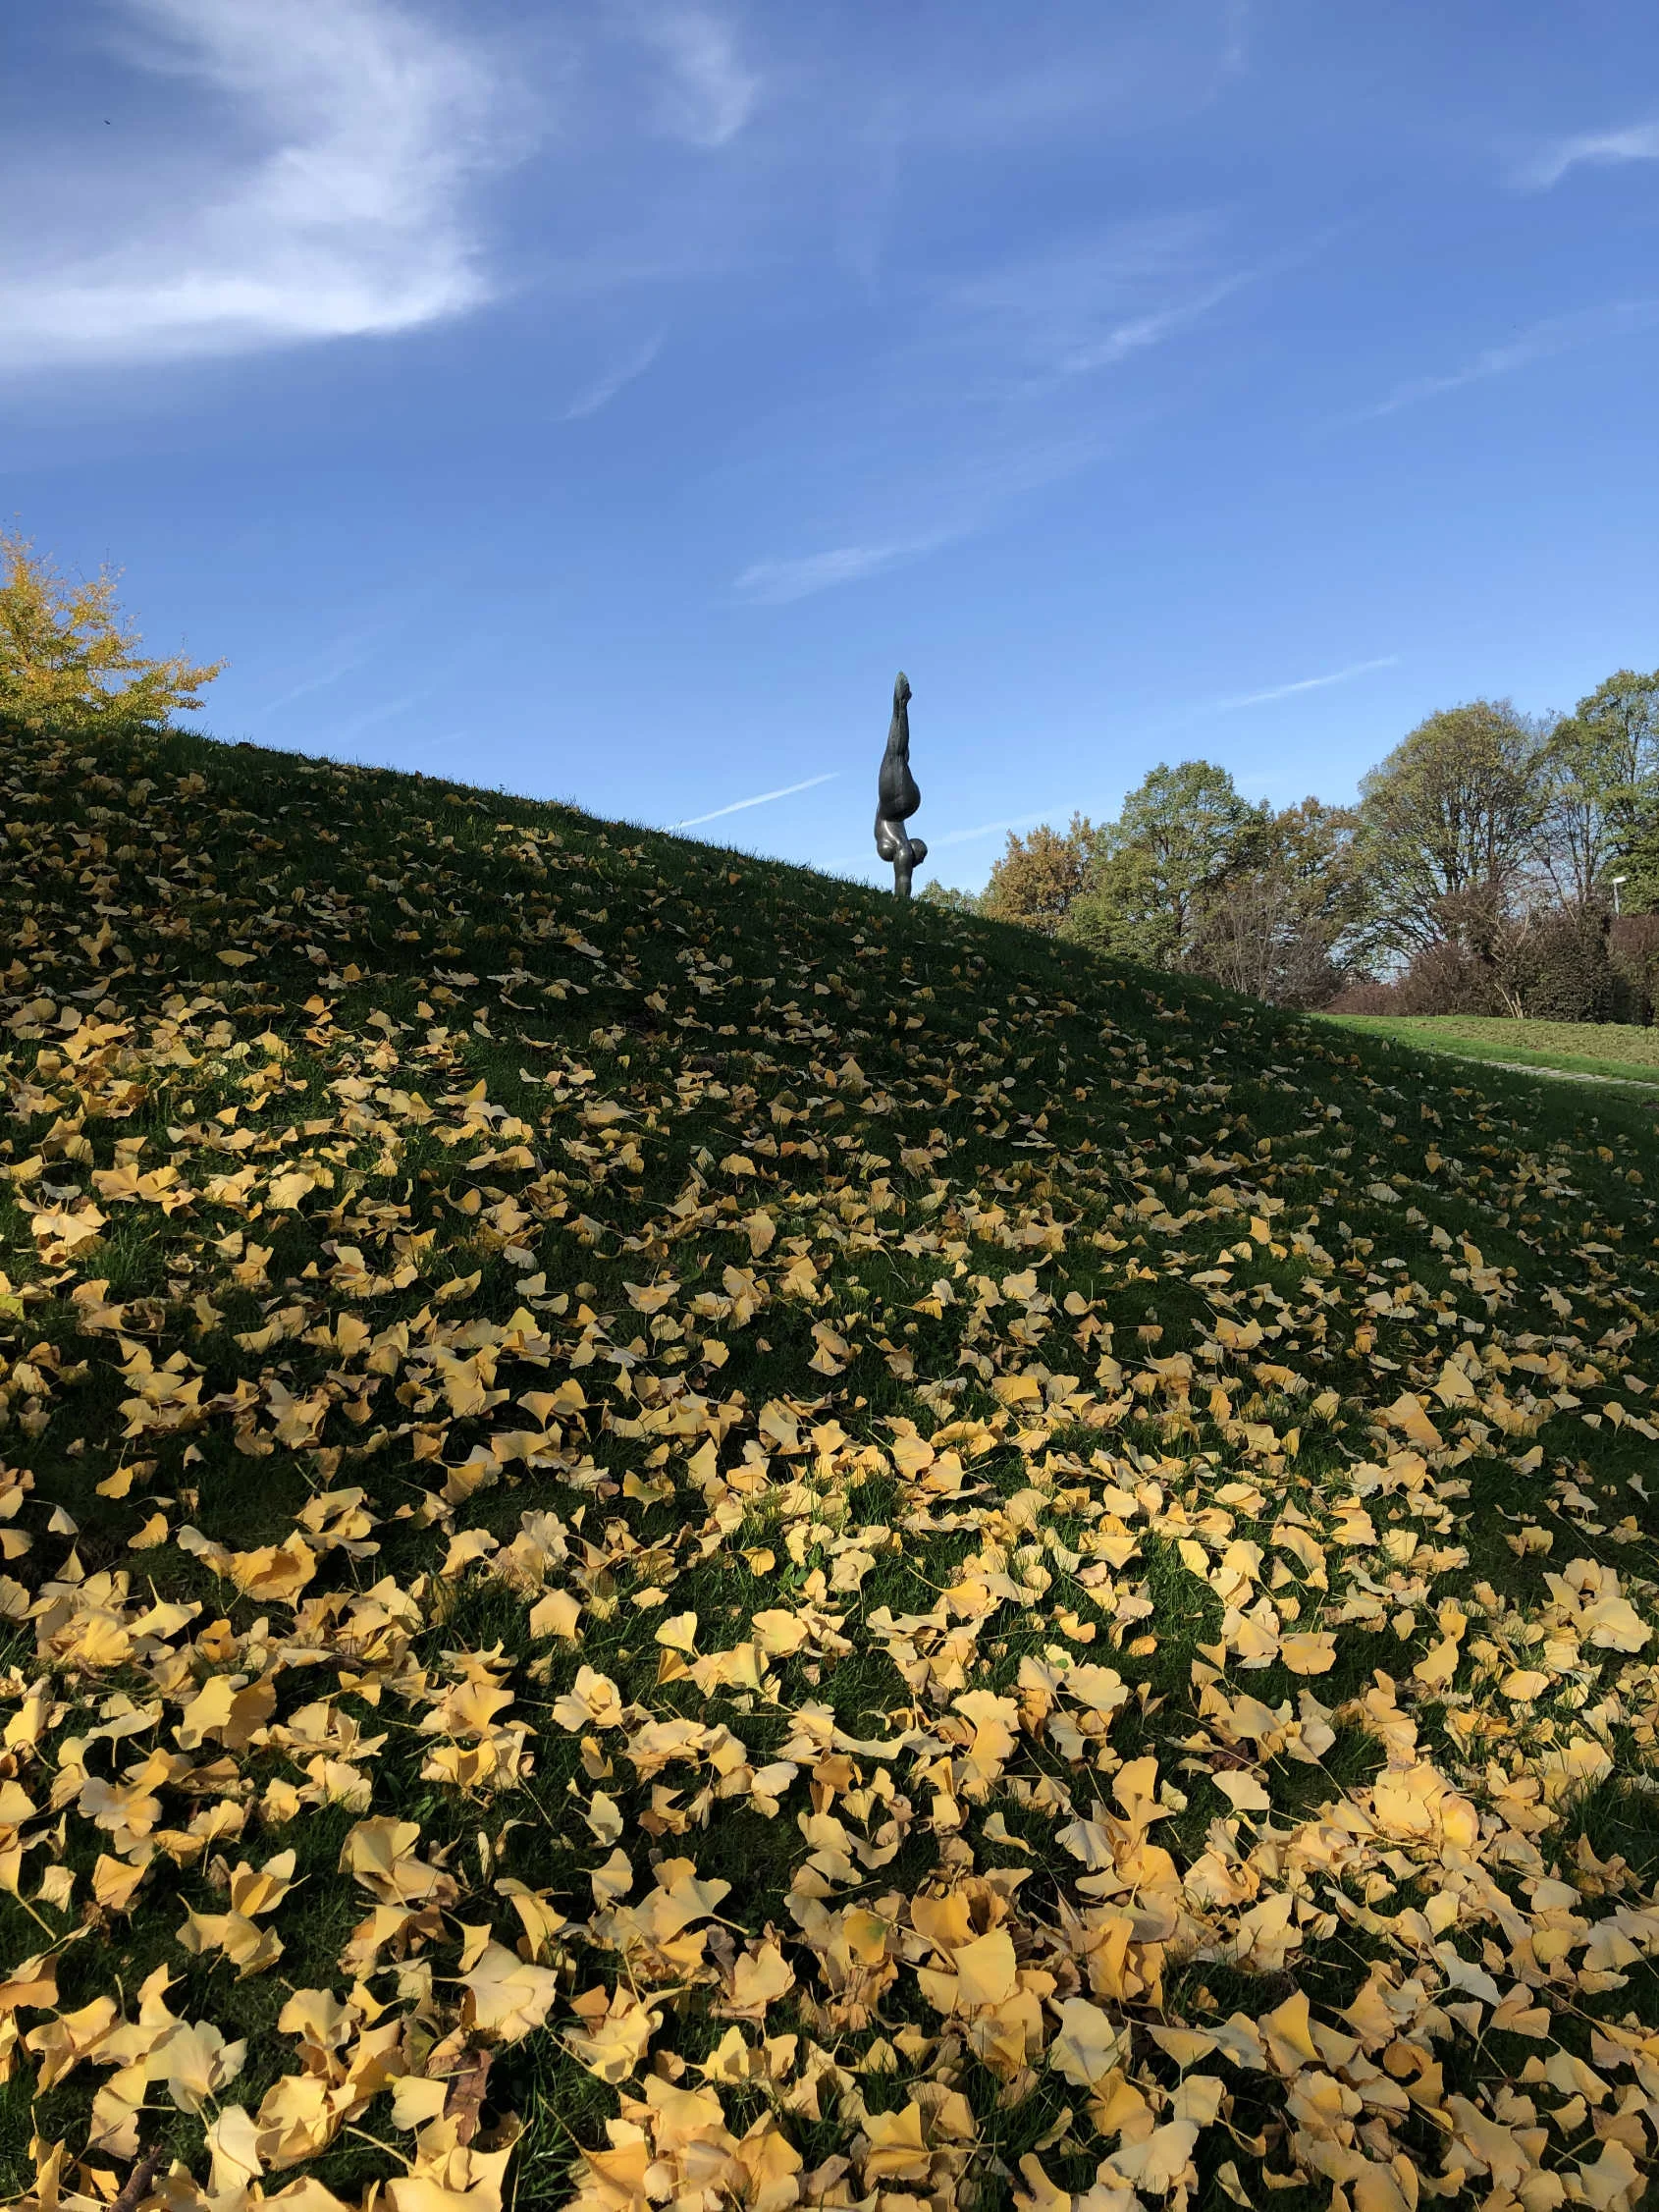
{"x": 1619, "y": 1050}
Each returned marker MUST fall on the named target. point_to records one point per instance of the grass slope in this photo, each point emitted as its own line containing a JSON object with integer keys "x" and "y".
{"x": 673, "y": 1534}
{"x": 1619, "y": 1050}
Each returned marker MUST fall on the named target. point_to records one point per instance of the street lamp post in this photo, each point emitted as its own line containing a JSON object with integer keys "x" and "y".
{"x": 1616, "y": 881}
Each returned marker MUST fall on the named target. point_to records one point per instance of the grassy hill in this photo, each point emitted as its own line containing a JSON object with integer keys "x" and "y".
{"x": 672, "y": 1534}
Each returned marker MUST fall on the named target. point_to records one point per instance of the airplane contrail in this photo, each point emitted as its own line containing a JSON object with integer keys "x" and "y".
{"x": 694, "y": 821}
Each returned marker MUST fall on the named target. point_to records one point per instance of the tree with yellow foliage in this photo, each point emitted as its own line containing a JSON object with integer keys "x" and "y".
{"x": 69, "y": 656}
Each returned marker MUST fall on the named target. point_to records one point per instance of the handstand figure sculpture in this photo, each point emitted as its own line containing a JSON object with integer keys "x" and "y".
{"x": 898, "y": 797}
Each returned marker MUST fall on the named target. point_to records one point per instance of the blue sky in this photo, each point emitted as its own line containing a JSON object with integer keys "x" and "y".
{"x": 602, "y": 399}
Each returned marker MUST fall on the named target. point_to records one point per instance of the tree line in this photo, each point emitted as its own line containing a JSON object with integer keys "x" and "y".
{"x": 1497, "y": 862}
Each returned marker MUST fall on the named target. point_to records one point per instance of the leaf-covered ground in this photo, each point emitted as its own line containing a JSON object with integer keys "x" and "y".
{"x": 675, "y": 1536}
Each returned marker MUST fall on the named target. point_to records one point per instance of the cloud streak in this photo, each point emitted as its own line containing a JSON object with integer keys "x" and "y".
{"x": 385, "y": 710}
{"x": 1305, "y": 684}
{"x": 1557, "y": 333}
{"x": 347, "y": 654}
{"x": 1075, "y": 310}
{"x": 1598, "y": 149}
{"x": 319, "y": 683}
{"x": 760, "y": 798}
{"x": 775, "y": 583}
{"x": 354, "y": 131}
{"x": 707, "y": 92}
{"x": 603, "y": 389}
{"x": 1139, "y": 331}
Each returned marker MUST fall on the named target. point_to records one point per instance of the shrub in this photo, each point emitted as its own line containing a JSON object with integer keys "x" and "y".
{"x": 1551, "y": 964}
{"x": 1366, "y": 997}
{"x": 1632, "y": 946}
{"x": 1554, "y": 965}
{"x": 1450, "y": 979}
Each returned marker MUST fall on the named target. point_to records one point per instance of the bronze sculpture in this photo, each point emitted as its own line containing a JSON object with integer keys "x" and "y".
{"x": 897, "y": 796}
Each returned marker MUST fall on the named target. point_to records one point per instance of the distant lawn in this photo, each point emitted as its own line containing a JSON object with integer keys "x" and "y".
{"x": 1618, "y": 1049}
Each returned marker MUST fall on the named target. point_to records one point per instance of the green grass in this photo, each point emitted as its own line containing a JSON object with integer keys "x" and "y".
{"x": 602, "y": 1215}
{"x": 1617, "y": 1050}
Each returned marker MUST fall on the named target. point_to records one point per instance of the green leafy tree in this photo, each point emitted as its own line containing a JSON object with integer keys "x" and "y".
{"x": 1639, "y": 866}
{"x": 1603, "y": 816}
{"x": 955, "y": 901}
{"x": 1182, "y": 834}
{"x": 69, "y": 658}
{"x": 1285, "y": 926}
{"x": 1041, "y": 875}
{"x": 1456, "y": 809}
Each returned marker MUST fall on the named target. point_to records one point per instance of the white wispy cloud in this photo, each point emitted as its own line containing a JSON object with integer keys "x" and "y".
{"x": 760, "y": 798}
{"x": 603, "y": 389}
{"x": 385, "y": 710}
{"x": 773, "y": 584}
{"x": 354, "y": 129}
{"x": 1600, "y": 149}
{"x": 1304, "y": 683}
{"x": 339, "y": 662}
{"x": 1557, "y": 333}
{"x": 1145, "y": 69}
{"x": 320, "y": 682}
{"x": 1082, "y": 306}
{"x": 707, "y": 92}
{"x": 961, "y": 493}
{"x": 1138, "y": 332}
